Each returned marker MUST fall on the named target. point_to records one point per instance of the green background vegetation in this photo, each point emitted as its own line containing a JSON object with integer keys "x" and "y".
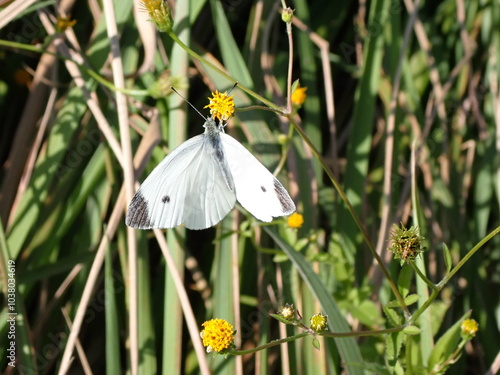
{"x": 382, "y": 83}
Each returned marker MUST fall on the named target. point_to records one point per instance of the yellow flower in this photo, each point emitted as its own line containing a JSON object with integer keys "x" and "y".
{"x": 217, "y": 335}
{"x": 469, "y": 328}
{"x": 287, "y": 312}
{"x": 287, "y": 15}
{"x": 319, "y": 322}
{"x": 159, "y": 13}
{"x": 299, "y": 96}
{"x": 64, "y": 22}
{"x": 295, "y": 220}
{"x": 221, "y": 106}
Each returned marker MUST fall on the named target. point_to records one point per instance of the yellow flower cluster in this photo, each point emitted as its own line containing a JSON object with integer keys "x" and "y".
{"x": 295, "y": 220}
{"x": 299, "y": 96}
{"x": 319, "y": 322}
{"x": 469, "y": 328}
{"x": 221, "y": 106}
{"x": 217, "y": 335}
{"x": 159, "y": 12}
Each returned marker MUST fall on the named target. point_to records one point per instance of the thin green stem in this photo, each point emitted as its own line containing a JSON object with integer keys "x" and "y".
{"x": 408, "y": 351}
{"x": 290, "y": 64}
{"x": 467, "y": 256}
{"x": 90, "y": 72}
{"x": 269, "y": 344}
{"x": 441, "y": 367}
{"x": 363, "y": 333}
{"x": 353, "y": 213}
{"x": 448, "y": 276}
{"x": 221, "y": 72}
{"x": 284, "y": 151}
{"x": 260, "y": 107}
{"x": 422, "y": 276}
{"x": 308, "y": 333}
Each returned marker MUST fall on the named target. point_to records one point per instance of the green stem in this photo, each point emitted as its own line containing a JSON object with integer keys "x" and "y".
{"x": 290, "y": 63}
{"x": 422, "y": 276}
{"x": 440, "y": 368}
{"x": 221, "y": 72}
{"x": 447, "y": 278}
{"x": 284, "y": 151}
{"x": 324, "y": 334}
{"x": 269, "y": 344}
{"x": 362, "y": 333}
{"x": 353, "y": 213}
{"x": 90, "y": 72}
{"x": 408, "y": 350}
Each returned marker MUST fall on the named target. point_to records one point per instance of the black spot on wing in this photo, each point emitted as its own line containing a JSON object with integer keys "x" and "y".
{"x": 263, "y": 189}
{"x": 138, "y": 213}
{"x": 165, "y": 199}
{"x": 286, "y": 202}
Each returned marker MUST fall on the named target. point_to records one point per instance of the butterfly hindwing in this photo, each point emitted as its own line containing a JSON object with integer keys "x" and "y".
{"x": 257, "y": 190}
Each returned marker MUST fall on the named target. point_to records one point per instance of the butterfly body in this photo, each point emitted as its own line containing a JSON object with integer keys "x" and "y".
{"x": 199, "y": 182}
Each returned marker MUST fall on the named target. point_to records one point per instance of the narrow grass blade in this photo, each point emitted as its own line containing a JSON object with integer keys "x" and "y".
{"x": 347, "y": 347}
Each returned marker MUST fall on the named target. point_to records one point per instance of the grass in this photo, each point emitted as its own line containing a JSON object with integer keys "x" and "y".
{"x": 401, "y": 126}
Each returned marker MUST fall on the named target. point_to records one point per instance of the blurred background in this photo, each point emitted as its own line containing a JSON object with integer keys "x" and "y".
{"x": 402, "y": 105}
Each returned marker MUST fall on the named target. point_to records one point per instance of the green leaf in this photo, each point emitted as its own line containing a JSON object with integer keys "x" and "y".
{"x": 372, "y": 367}
{"x": 280, "y": 318}
{"x": 393, "y": 316}
{"x": 404, "y": 280}
{"x": 447, "y": 257}
{"x": 446, "y": 345}
{"x": 112, "y": 327}
{"x": 231, "y": 53}
{"x": 411, "y": 299}
{"x": 367, "y": 312}
{"x": 347, "y": 347}
{"x": 316, "y": 343}
{"x": 412, "y": 330}
{"x": 393, "y": 345}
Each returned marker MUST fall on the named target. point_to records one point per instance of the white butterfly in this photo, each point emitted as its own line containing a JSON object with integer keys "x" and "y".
{"x": 199, "y": 182}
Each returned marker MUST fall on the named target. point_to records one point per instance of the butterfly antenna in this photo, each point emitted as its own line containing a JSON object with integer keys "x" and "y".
{"x": 188, "y": 102}
{"x": 232, "y": 88}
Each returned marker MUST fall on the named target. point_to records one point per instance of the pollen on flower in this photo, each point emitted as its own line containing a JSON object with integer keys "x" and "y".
{"x": 469, "y": 328}
{"x": 221, "y": 106}
{"x": 295, "y": 220}
{"x": 299, "y": 96}
{"x": 319, "y": 322}
{"x": 217, "y": 335}
{"x": 159, "y": 13}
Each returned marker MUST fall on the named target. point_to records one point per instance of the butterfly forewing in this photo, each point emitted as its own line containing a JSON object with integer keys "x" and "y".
{"x": 188, "y": 187}
{"x": 257, "y": 190}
